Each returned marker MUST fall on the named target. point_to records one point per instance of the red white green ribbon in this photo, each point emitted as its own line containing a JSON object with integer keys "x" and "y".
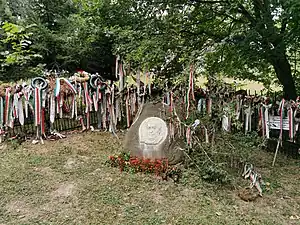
{"x": 281, "y": 108}
{"x": 8, "y": 109}
{"x": 138, "y": 85}
{"x": 262, "y": 121}
{"x": 127, "y": 108}
{"x": 95, "y": 101}
{"x": 104, "y": 111}
{"x": 43, "y": 121}
{"x": 52, "y": 108}
{"x": 121, "y": 77}
{"x": 291, "y": 123}
{"x": 266, "y": 120}
{"x": 191, "y": 81}
{"x": 37, "y": 106}
{"x": 88, "y": 100}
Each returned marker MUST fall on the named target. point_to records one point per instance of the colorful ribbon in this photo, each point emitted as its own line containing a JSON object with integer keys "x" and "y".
{"x": 281, "y": 108}
{"x": 291, "y": 124}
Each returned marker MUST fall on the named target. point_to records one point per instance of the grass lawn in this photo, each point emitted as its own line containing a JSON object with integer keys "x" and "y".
{"x": 67, "y": 182}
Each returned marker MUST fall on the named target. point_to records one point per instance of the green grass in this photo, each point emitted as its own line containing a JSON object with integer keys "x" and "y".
{"x": 67, "y": 182}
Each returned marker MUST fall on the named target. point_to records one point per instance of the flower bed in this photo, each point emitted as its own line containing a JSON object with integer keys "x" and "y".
{"x": 159, "y": 167}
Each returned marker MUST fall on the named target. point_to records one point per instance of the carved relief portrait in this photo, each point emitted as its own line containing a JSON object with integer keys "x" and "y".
{"x": 152, "y": 132}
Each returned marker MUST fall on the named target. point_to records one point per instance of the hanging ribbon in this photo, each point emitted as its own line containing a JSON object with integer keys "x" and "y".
{"x": 61, "y": 103}
{"x": 68, "y": 83}
{"x": 127, "y": 108}
{"x": 95, "y": 101}
{"x": 110, "y": 114}
{"x": 149, "y": 83}
{"x": 15, "y": 106}
{"x": 248, "y": 118}
{"x": 225, "y": 123}
{"x": 104, "y": 112}
{"x": 138, "y": 84}
{"x": 144, "y": 87}
{"x": 171, "y": 103}
{"x": 26, "y": 94}
{"x": 112, "y": 109}
{"x": 74, "y": 111}
{"x": 171, "y": 125}
{"x": 291, "y": 124}
{"x": 266, "y": 119}
{"x": 262, "y": 120}
{"x": 8, "y": 109}
{"x": 88, "y": 103}
{"x": 281, "y": 108}
{"x": 226, "y": 119}
{"x": 190, "y": 91}
{"x": 121, "y": 77}
{"x": 1, "y": 113}
{"x": 238, "y": 107}
{"x": 57, "y": 87}
{"x": 118, "y": 109}
{"x": 52, "y": 109}
{"x": 192, "y": 70}
{"x": 117, "y": 65}
{"x": 43, "y": 121}
{"x": 21, "y": 111}
{"x": 37, "y": 106}
{"x": 188, "y": 137}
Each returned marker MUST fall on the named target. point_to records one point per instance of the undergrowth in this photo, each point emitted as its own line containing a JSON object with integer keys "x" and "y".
{"x": 224, "y": 160}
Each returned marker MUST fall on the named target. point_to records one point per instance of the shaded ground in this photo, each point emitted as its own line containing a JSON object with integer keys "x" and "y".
{"x": 67, "y": 182}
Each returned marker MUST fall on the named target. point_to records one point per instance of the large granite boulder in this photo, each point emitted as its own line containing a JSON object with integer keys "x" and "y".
{"x": 149, "y": 136}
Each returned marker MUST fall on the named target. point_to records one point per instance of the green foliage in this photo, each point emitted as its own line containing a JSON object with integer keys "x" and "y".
{"x": 16, "y": 39}
{"x": 243, "y": 39}
{"x": 16, "y": 53}
{"x": 223, "y": 162}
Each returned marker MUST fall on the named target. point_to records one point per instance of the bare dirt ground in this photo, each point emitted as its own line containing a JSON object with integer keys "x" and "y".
{"x": 68, "y": 182}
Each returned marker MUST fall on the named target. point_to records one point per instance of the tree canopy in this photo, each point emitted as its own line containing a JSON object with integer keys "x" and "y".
{"x": 255, "y": 39}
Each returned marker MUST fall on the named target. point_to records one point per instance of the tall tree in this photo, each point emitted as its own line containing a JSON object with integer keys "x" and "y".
{"x": 247, "y": 38}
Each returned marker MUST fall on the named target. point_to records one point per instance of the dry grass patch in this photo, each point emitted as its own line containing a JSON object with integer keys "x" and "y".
{"x": 68, "y": 182}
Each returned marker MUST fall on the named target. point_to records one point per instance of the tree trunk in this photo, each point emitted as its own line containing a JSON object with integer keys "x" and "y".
{"x": 284, "y": 74}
